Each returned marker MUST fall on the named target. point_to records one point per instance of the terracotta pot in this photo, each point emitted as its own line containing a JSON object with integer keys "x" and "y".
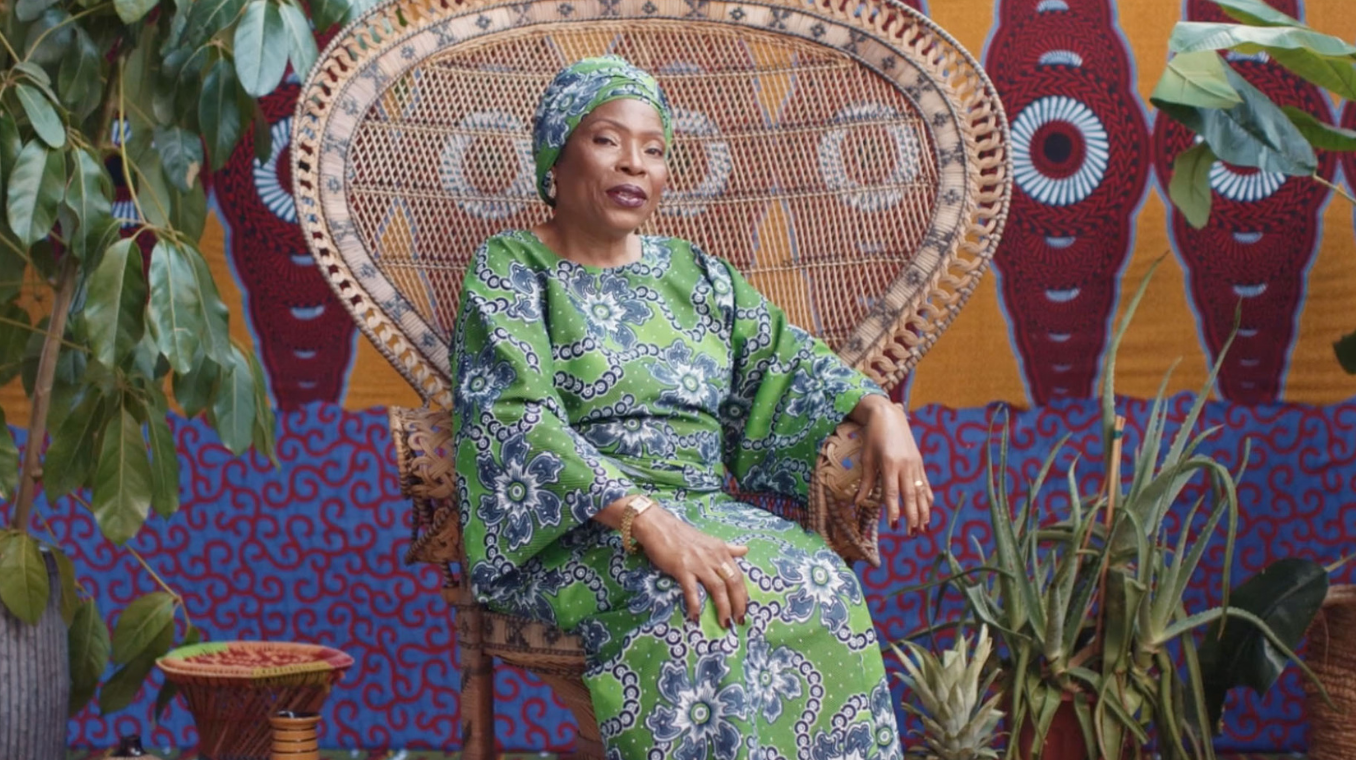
{"x": 1064, "y": 740}
{"x": 294, "y": 736}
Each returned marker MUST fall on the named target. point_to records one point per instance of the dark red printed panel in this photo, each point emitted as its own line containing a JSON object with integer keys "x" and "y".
{"x": 1080, "y": 149}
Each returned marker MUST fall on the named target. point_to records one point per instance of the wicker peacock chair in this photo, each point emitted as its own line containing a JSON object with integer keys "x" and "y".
{"x": 852, "y": 160}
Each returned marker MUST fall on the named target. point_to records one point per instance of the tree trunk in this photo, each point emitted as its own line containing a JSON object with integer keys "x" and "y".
{"x": 35, "y": 681}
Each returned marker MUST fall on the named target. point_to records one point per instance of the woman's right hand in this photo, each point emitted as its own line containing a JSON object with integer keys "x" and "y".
{"x": 690, "y": 557}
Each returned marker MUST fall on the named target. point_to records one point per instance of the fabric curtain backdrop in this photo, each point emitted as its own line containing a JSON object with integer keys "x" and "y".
{"x": 312, "y": 551}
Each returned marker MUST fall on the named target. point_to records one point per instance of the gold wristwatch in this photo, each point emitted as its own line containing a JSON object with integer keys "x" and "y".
{"x": 634, "y": 508}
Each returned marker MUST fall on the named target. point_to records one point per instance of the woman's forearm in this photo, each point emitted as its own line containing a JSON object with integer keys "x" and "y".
{"x": 870, "y": 406}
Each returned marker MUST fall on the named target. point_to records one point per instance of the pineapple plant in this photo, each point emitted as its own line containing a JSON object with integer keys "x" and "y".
{"x": 949, "y": 697}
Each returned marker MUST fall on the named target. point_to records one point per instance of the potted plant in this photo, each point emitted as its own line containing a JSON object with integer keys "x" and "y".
{"x": 956, "y": 701}
{"x": 110, "y": 317}
{"x": 1087, "y": 603}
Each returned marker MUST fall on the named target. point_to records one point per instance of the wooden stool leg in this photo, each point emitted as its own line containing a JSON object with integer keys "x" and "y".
{"x": 588, "y": 745}
{"x": 477, "y": 685}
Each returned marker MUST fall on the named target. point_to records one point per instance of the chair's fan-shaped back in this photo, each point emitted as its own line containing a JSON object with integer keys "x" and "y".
{"x": 851, "y": 162}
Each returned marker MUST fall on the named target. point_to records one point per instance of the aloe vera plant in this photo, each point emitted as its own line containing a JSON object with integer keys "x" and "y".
{"x": 1088, "y": 602}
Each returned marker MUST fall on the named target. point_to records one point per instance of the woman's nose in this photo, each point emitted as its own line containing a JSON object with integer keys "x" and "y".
{"x": 632, "y": 159}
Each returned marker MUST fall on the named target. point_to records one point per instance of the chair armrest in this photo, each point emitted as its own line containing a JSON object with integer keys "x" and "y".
{"x": 848, "y": 528}
{"x": 422, "y": 439}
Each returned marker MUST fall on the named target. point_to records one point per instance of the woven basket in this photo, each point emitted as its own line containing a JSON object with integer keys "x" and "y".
{"x": 233, "y": 687}
{"x": 1332, "y": 656}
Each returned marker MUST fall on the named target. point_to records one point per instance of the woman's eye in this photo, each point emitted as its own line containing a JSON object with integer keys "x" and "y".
{"x": 603, "y": 140}
{"x": 655, "y": 151}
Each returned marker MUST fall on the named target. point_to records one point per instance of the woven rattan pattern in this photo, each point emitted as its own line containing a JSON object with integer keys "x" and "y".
{"x": 1332, "y": 656}
{"x": 866, "y": 206}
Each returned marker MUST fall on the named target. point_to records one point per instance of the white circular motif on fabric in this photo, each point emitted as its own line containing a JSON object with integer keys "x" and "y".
{"x": 1243, "y": 185}
{"x": 719, "y": 165}
{"x": 274, "y": 190}
{"x": 834, "y": 171}
{"x": 452, "y": 166}
{"x": 1060, "y": 150}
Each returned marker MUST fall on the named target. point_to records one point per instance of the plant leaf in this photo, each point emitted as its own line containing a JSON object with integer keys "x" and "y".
{"x": 132, "y": 10}
{"x": 23, "y": 577}
{"x": 168, "y": 691}
{"x": 261, "y": 48}
{"x": 175, "y": 308}
{"x": 265, "y": 423}
{"x": 180, "y": 155}
{"x": 216, "y": 335}
{"x": 43, "y": 116}
{"x": 219, "y": 112}
{"x": 327, "y": 13}
{"x": 70, "y": 456}
{"x": 1196, "y": 79}
{"x": 1336, "y": 74}
{"x": 301, "y": 44}
{"x": 1256, "y": 133}
{"x": 87, "y": 641}
{"x": 27, "y": 10}
{"x": 194, "y": 390}
{"x": 116, "y": 305}
{"x": 1197, "y": 35}
{"x": 1320, "y": 134}
{"x": 1345, "y": 348}
{"x": 36, "y": 187}
{"x": 89, "y": 196}
{"x": 207, "y": 17}
{"x": 1286, "y": 595}
{"x": 70, "y": 595}
{"x": 1256, "y": 12}
{"x": 140, "y": 624}
{"x": 9, "y": 461}
{"x": 80, "y": 82}
{"x": 121, "y": 689}
{"x": 234, "y": 406}
{"x": 122, "y": 480}
{"x": 189, "y": 212}
{"x": 1190, "y": 186}
{"x": 164, "y": 465}
{"x": 157, "y": 202}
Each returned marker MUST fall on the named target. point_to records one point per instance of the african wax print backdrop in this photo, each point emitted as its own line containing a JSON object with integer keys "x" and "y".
{"x": 313, "y": 550}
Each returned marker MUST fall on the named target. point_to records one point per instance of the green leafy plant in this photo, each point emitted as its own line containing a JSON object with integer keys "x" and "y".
{"x": 98, "y": 330}
{"x": 1238, "y": 123}
{"x": 1089, "y": 603}
{"x": 959, "y": 709}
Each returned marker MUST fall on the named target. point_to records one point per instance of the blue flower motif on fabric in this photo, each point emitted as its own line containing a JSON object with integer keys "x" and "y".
{"x": 612, "y": 307}
{"x": 693, "y": 719}
{"x": 815, "y": 388}
{"x": 823, "y": 582}
{"x": 593, "y": 633}
{"x": 693, "y": 382}
{"x": 633, "y": 437}
{"x": 480, "y": 380}
{"x": 527, "y": 594}
{"x": 770, "y": 675}
{"x": 518, "y": 490}
{"x": 883, "y": 716}
{"x": 651, "y": 591}
{"x": 855, "y": 743}
{"x": 527, "y": 290}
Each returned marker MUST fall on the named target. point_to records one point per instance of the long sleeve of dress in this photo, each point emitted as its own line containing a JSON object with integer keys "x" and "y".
{"x": 789, "y": 392}
{"x": 524, "y": 476}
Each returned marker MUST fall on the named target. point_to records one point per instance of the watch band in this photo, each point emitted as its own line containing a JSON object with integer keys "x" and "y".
{"x": 634, "y": 508}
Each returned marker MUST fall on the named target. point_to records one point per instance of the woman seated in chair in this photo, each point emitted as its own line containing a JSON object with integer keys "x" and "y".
{"x": 606, "y": 383}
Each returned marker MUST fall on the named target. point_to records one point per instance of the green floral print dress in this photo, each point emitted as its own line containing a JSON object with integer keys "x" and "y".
{"x": 577, "y": 385}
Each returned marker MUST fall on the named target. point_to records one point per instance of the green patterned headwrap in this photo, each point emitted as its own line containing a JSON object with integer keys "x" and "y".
{"x": 575, "y": 92}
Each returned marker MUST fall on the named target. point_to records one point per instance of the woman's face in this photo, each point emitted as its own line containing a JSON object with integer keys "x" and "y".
{"x": 612, "y": 171}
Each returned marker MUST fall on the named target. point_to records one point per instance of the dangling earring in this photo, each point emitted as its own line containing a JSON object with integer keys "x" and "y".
{"x": 551, "y": 184}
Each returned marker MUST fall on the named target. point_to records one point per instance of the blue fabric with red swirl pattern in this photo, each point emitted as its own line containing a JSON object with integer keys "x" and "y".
{"x": 312, "y": 551}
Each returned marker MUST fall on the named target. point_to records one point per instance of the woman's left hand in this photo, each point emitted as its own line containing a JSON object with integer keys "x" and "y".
{"x": 890, "y": 458}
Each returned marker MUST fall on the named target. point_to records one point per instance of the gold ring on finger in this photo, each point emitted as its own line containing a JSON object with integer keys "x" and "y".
{"x": 726, "y": 571}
